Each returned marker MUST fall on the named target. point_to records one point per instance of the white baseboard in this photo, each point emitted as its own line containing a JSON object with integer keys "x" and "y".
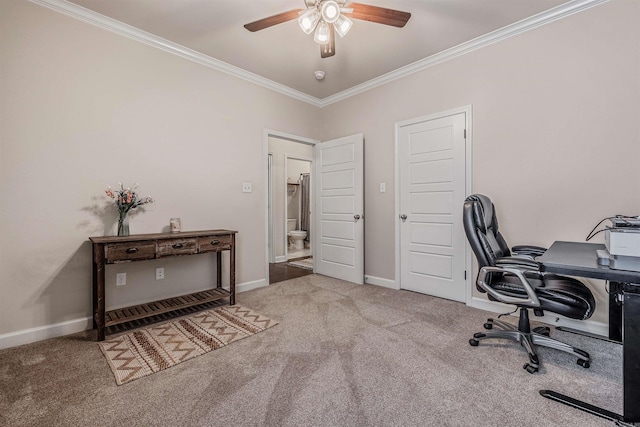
{"x": 590, "y": 326}
{"x": 372, "y": 280}
{"x": 27, "y": 336}
{"x": 248, "y": 286}
{"x": 40, "y": 333}
{"x": 280, "y": 259}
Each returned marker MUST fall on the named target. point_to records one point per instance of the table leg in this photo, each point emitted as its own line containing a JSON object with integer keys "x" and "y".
{"x": 232, "y": 271}
{"x": 615, "y": 311}
{"x": 98, "y": 290}
{"x": 630, "y": 364}
{"x": 583, "y": 406}
{"x": 219, "y": 269}
{"x": 631, "y": 353}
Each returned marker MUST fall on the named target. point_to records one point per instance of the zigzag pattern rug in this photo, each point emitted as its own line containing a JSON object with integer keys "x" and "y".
{"x": 146, "y": 351}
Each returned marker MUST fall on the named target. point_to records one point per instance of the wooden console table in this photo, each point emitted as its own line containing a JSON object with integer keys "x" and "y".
{"x": 141, "y": 247}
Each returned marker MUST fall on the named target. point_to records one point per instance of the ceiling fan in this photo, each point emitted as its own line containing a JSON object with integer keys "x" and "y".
{"x": 328, "y": 17}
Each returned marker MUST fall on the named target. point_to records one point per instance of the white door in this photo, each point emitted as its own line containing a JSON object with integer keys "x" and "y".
{"x": 432, "y": 165}
{"x": 339, "y": 183}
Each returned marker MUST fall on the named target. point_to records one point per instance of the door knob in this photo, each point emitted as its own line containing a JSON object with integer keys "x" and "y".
{"x": 356, "y": 217}
{"x": 403, "y": 217}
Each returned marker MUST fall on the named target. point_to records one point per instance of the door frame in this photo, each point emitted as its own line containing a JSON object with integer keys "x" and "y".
{"x": 467, "y": 109}
{"x": 270, "y": 133}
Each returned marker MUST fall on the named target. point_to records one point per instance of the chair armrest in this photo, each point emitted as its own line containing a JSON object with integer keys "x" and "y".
{"x": 518, "y": 262}
{"x": 529, "y": 250}
{"x": 532, "y": 299}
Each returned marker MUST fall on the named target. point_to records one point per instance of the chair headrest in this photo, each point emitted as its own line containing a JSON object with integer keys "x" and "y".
{"x": 482, "y": 211}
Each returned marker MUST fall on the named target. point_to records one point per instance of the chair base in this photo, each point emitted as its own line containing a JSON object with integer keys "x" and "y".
{"x": 528, "y": 339}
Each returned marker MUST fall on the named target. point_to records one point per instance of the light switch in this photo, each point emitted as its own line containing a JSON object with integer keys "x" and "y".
{"x": 383, "y": 187}
{"x": 246, "y": 187}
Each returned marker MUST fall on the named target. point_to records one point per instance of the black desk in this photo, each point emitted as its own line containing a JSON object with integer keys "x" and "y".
{"x": 580, "y": 259}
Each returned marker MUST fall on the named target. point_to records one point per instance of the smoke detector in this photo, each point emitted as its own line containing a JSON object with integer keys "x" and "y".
{"x": 319, "y": 75}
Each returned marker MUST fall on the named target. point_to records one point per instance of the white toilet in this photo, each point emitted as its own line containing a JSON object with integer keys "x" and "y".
{"x": 295, "y": 236}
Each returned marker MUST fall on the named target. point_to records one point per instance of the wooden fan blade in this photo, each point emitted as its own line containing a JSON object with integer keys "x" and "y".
{"x": 261, "y": 24}
{"x": 379, "y": 15}
{"x": 329, "y": 49}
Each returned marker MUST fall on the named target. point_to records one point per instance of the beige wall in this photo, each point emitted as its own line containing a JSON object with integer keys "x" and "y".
{"x": 83, "y": 108}
{"x": 556, "y": 140}
{"x": 555, "y": 144}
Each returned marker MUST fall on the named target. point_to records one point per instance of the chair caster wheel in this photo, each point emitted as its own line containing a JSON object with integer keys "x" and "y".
{"x": 488, "y": 325}
{"x": 584, "y": 363}
{"x": 474, "y": 342}
{"x": 529, "y": 368}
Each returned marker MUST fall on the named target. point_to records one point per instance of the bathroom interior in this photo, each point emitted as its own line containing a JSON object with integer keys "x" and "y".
{"x": 298, "y": 209}
{"x": 289, "y": 209}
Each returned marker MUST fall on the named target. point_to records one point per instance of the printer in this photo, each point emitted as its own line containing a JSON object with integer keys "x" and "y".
{"x": 622, "y": 240}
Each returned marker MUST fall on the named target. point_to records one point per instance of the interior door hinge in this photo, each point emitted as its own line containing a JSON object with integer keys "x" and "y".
{"x": 465, "y": 134}
{"x": 465, "y": 275}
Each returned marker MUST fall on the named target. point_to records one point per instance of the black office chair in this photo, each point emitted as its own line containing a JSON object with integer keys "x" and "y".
{"x": 516, "y": 279}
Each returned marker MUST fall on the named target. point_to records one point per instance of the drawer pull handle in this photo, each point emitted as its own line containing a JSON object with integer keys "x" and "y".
{"x": 132, "y": 250}
{"x": 215, "y": 242}
{"x": 178, "y": 246}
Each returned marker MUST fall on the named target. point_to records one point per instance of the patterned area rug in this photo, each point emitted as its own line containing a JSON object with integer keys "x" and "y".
{"x": 146, "y": 351}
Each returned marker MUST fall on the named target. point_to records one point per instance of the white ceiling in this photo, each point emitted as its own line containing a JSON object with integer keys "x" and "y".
{"x": 284, "y": 54}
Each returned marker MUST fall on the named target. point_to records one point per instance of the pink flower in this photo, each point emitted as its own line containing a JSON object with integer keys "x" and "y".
{"x": 126, "y": 199}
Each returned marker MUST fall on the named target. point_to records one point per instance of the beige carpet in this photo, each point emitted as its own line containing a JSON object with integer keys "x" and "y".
{"x": 342, "y": 355}
{"x": 146, "y": 351}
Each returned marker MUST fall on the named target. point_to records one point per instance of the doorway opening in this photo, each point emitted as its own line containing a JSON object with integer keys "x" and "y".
{"x": 289, "y": 203}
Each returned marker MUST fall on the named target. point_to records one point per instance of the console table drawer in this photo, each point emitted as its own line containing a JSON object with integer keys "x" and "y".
{"x": 129, "y": 251}
{"x": 214, "y": 243}
{"x": 177, "y": 247}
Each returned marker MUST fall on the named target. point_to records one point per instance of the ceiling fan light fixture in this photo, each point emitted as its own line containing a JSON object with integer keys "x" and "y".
{"x": 330, "y": 11}
{"x": 321, "y": 35}
{"x": 308, "y": 20}
{"x": 342, "y": 25}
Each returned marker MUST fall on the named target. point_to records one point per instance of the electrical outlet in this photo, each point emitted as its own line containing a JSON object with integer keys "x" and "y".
{"x": 159, "y": 273}
{"x": 121, "y": 279}
{"x": 246, "y": 187}
{"x": 383, "y": 187}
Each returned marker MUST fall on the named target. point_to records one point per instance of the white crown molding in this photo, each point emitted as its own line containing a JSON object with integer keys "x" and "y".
{"x": 514, "y": 29}
{"x": 551, "y": 15}
{"x": 134, "y": 33}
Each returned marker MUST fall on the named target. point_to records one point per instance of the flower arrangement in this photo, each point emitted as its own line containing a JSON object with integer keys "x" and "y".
{"x": 126, "y": 199}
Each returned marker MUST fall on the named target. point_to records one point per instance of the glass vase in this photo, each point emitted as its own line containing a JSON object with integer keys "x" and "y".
{"x": 123, "y": 225}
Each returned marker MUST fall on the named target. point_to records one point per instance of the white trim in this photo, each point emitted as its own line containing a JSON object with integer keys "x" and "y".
{"x": 503, "y": 33}
{"x": 27, "y": 336}
{"x": 40, "y": 333}
{"x": 271, "y": 251}
{"x": 281, "y": 258}
{"x": 379, "y": 281}
{"x": 551, "y": 15}
{"x": 468, "y": 112}
{"x": 589, "y": 326}
{"x": 137, "y": 34}
{"x": 249, "y": 286}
